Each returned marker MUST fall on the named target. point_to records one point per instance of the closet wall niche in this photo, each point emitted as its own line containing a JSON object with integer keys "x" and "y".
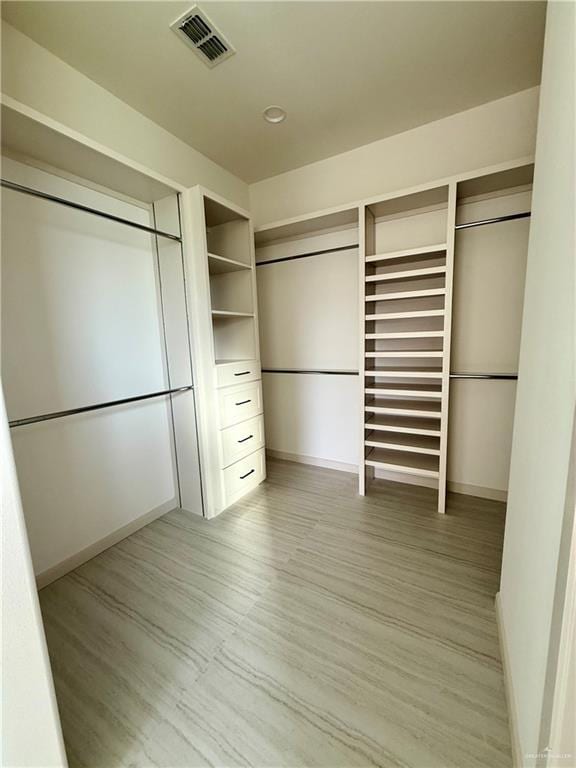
{"x": 232, "y": 295}
{"x": 489, "y": 276}
{"x": 307, "y": 272}
{"x": 96, "y": 360}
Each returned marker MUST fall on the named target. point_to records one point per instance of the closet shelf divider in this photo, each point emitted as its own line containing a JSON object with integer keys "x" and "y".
{"x": 415, "y": 464}
{"x": 406, "y": 335}
{"x": 422, "y": 251}
{"x": 229, "y": 313}
{"x": 406, "y": 426}
{"x": 404, "y": 353}
{"x": 408, "y": 315}
{"x": 219, "y": 264}
{"x": 408, "y": 373}
{"x": 406, "y": 274}
{"x": 405, "y": 295}
{"x": 407, "y": 444}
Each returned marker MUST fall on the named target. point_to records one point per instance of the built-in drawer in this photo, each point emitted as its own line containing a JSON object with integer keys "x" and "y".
{"x": 228, "y": 374}
{"x": 239, "y": 403}
{"x": 241, "y": 477}
{"x": 240, "y": 440}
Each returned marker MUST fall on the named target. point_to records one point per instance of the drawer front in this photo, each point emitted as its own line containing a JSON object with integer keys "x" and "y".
{"x": 239, "y": 403}
{"x": 237, "y": 373}
{"x": 241, "y": 440}
{"x": 241, "y": 477}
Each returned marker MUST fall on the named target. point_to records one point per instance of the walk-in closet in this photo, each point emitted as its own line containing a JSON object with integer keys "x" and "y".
{"x": 288, "y": 391}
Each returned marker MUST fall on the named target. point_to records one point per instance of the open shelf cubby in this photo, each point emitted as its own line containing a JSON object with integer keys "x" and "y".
{"x": 231, "y": 278}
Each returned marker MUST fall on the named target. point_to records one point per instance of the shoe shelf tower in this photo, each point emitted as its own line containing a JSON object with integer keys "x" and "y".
{"x": 407, "y": 253}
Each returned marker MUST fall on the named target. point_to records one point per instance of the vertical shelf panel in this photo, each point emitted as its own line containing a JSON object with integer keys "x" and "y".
{"x": 450, "y": 236}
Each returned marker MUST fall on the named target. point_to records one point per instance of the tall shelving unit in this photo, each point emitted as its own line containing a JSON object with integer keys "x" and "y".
{"x": 409, "y": 243}
{"x": 225, "y": 330}
{"x": 406, "y": 284}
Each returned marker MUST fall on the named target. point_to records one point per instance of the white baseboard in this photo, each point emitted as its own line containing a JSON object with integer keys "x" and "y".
{"x": 398, "y": 477}
{"x": 517, "y": 761}
{"x": 315, "y": 461}
{"x": 79, "y": 558}
{"x": 494, "y": 494}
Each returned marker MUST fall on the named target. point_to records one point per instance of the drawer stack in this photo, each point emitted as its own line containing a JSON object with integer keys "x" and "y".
{"x": 225, "y": 331}
{"x": 241, "y": 421}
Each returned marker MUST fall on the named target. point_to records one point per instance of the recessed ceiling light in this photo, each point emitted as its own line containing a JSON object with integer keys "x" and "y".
{"x": 274, "y": 114}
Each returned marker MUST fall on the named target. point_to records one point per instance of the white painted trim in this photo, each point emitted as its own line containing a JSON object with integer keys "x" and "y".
{"x": 508, "y": 685}
{"x": 314, "y": 461}
{"x": 495, "y": 494}
{"x": 79, "y": 558}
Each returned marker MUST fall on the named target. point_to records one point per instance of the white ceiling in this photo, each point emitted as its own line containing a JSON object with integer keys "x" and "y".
{"x": 346, "y": 72}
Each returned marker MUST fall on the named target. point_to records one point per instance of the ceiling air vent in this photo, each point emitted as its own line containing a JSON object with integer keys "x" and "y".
{"x": 197, "y": 31}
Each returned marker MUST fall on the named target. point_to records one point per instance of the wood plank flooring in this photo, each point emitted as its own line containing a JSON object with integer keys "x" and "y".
{"x": 304, "y": 627}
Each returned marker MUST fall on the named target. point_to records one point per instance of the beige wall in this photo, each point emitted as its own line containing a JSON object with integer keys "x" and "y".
{"x": 539, "y": 475}
{"x": 34, "y": 76}
{"x": 492, "y": 133}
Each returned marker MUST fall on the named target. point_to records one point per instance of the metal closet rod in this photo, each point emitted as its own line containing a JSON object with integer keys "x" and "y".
{"x": 306, "y": 255}
{"x": 495, "y": 220}
{"x": 86, "y": 209}
{"x": 481, "y": 223}
{"x": 503, "y": 376}
{"x": 310, "y": 370}
{"x": 96, "y": 407}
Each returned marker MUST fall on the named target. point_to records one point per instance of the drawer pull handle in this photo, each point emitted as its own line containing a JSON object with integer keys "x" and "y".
{"x": 243, "y": 402}
{"x": 243, "y": 477}
{"x": 246, "y": 438}
{"x": 244, "y": 373}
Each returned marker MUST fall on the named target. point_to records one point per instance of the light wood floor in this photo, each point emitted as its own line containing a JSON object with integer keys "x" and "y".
{"x": 304, "y": 627}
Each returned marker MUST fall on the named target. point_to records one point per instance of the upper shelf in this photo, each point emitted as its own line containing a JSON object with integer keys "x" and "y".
{"x": 491, "y": 183}
{"x": 25, "y": 137}
{"x": 307, "y": 225}
{"x": 224, "y": 313}
{"x": 219, "y": 264}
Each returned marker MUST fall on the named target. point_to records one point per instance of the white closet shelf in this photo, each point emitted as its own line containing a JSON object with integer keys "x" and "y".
{"x": 405, "y": 295}
{"x": 404, "y": 353}
{"x": 404, "y": 408}
{"x": 230, "y": 361}
{"x": 406, "y": 335}
{"x": 403, "y": 425}
{"x": 406, "y": 315}
{"x": 406, "y": 390}
{"x": 406, "y": 274}
{"x": 430, "y": 446}
{"x": 410, "y": 464}
{"x": 219, "y": 264}
{"x": 225, "y": 313}
{"x": 423, "y": 251}
{"x": 412, "y": 373}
